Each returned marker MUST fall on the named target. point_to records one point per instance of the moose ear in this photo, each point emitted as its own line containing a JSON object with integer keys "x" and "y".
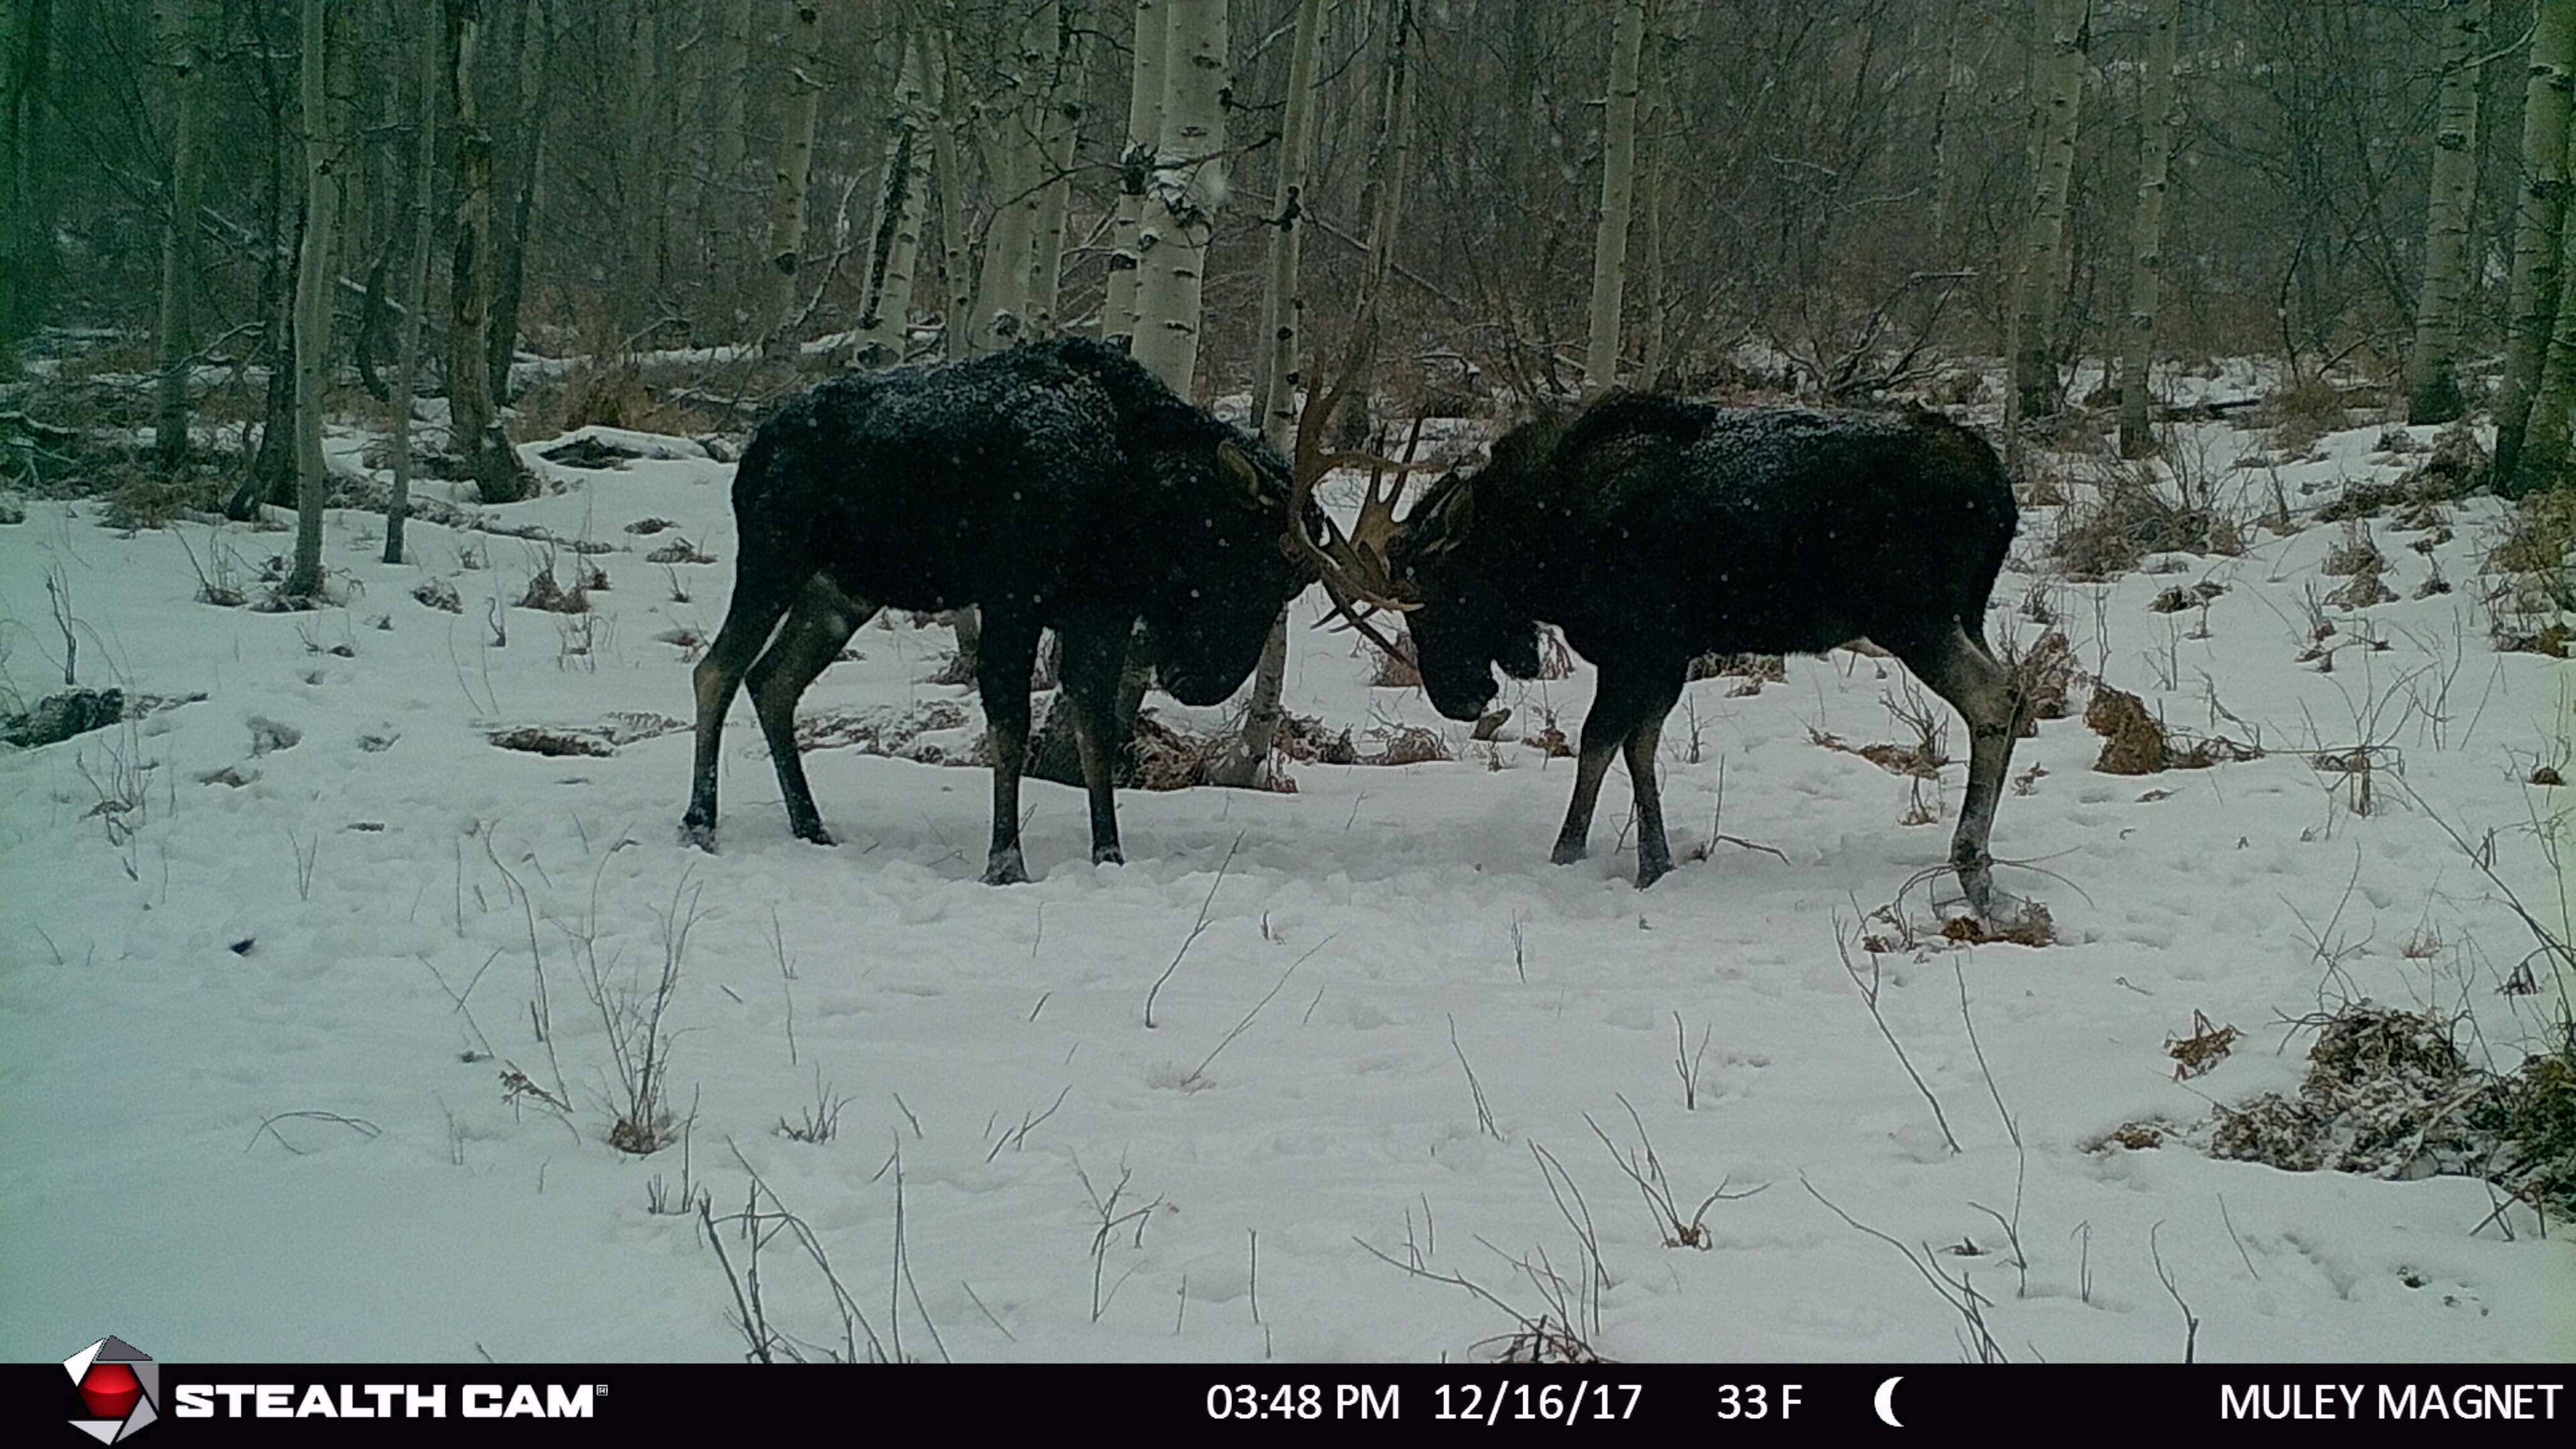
{"x": 1236, "y": 468}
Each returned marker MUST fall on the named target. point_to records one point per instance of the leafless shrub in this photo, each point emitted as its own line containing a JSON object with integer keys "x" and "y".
{"x": 2128, "y": 519}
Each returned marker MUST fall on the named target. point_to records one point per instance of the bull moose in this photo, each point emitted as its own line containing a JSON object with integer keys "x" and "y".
{"x": 1653, "y": 530}
{"x": 1056, "y": 485}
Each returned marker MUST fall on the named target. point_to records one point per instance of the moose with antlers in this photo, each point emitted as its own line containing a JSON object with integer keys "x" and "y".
{"x": 1652, "y": 530}
{"x": 1057, "y": 485}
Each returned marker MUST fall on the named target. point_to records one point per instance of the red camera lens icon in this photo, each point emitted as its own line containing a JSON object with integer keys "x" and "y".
{"x": 111, "y": 1390}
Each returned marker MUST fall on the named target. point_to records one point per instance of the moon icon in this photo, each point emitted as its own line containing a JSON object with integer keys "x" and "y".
{"x": 1885, "y": 1402}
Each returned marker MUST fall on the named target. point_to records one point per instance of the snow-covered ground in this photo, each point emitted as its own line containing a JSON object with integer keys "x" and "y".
{"x": 260, "y": 1005}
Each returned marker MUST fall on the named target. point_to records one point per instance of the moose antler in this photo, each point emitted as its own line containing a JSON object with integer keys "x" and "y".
{"x": 1354, "y": 567}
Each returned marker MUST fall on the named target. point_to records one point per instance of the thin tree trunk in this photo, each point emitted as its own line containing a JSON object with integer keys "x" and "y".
{"x": 526, "y": 161}
{"x": 801, "y": 99}
{"x": 1273, "y": 392}
{"x": 2432, "y": 386}
{"x": 184, "y": 35}
{"x": 1382, "y": 197}
{"x": 2159, "y": 126}
{"x": 886, "y": 309}
{"x": 2545, "y": 443}
{"x": 312, "y": 307}
{"x": 1015, "y": 157}
{"x": 424, "y": 175}
{"x": 957, "y": 287}
{"x": 26, "y": 247}
{"x": 2540, "y": 216}
{"x": 1618, "y": 191}
{"x": 1136, "y": 171}
{"x": 732, "y": 85}
{"x": 2041, "y": 290}
{"x": 1060, "y": 134}
{"x": 474, "y": 428}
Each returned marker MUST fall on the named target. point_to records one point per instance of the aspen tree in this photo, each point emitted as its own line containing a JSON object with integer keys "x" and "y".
{"x": 2159, "y": 124}
{"x": 2432, "y": 386}
{"x": 1618, "y": 192}
{"x": 2539, "y": 215}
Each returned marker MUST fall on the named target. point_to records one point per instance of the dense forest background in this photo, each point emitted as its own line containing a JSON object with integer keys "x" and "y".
{"x": 1835, "y": 198}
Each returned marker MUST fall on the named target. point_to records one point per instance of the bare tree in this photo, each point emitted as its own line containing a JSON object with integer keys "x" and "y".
{"x": 182, "y": 25}
{"x": 424, "y": 177}
{"x": 313, "y": 304}
{"x": 2058, "y": 103}
{"x": 2539, "y": 216}
{"x": 1189, "y": 188}
{"x": 2159, "y": 124}
{"x": 1136, "y": 167}
{"x": 903, "y": 194}
{"x": 1618, "y": 190}
{"x": 2432, "y": 387}
{"x": 474, "y": 426}
{"x": 1274, "y": 389}
{"x": 26, "y": 47}
{"x": 800, "y": 101}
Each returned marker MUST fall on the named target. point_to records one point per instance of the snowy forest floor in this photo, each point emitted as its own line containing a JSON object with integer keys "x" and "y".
{"x": 320, "y": 1004}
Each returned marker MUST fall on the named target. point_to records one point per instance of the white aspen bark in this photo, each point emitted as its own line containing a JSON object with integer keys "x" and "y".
{"x": 1274, "y": 390}
{"x": 895, "y": 246}
{"x": 2159, "y": 127}
{"x": 2040, "y": 292}
{"x": 424, "y": 176}
{"x": 1136, "y": 171}
{"x": 800, "y": 101}
{"x": 1059, "y": 136}
{"x": 2545, "y": 441}
{"x": 2432, "y": 388}
{"x": 957, "y": 288}
{"x": 2539, "y": 218}
{"x": 183, "y": 27}
{"x": 1283, "y": 302}
{"x": 1019, "y": 161}
{"x": 1189, "y": 190}
{"x": 1618, "y": 190}
{"x": 312, "y": 306}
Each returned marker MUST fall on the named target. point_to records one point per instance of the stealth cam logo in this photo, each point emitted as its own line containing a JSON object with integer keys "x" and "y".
{"x": 120, "y": 1383}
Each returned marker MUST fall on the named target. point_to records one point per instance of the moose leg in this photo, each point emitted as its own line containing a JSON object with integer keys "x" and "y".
{"x": 1621, "y": 703}
{"x": 757, "y": 603}
{"x": 1094, "y": 656}
{"x": 1654, "y": 854}
{"x": 1960, "y": 669}
{"x": 822, "y": 621}
{"x": 1003, "y": 658}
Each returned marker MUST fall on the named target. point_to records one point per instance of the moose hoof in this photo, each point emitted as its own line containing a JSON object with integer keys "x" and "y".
{"x": 1566, "y": 854}
{"x": 700, "y": 833}
{"x": 815, "y": 835}
{"x": 1649, "y": 872}
{"x": 1006, "y": 870}
{"x": 1107, "y": 855}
